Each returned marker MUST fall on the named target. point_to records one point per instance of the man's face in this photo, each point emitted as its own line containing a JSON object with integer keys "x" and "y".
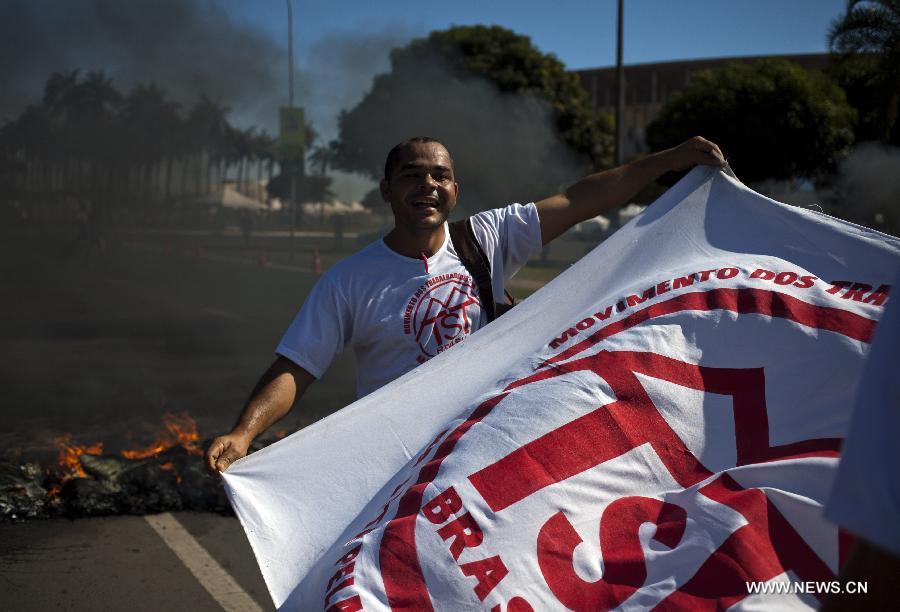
{"x": 422, "y": 189}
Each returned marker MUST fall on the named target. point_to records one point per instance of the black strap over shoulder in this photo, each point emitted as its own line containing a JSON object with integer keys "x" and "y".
{"x": 474, "y": 259}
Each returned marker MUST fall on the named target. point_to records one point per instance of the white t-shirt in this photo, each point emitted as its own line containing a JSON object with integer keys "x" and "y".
{"x": 865, "y": 497}
{"x": 396, "y": 311}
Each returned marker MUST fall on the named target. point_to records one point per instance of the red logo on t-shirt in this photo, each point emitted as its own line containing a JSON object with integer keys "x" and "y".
{"x": 441, "y": 313}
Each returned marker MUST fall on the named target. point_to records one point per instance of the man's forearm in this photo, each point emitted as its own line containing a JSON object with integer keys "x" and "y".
{"x": 272, "y": 397}
{"x": 605, "y": 191}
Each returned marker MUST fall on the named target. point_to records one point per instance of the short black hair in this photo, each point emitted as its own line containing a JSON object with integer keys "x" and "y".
{"x": 394, "y": 154}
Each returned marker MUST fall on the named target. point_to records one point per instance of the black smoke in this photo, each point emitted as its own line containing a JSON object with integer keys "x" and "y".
{"x": 188, "y": 48}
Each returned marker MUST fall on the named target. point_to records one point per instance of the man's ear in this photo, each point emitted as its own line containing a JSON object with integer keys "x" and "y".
{"x": 384, "y": 188}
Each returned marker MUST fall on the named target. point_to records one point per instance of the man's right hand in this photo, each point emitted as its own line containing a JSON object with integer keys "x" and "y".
{"x": 225, "y": 450}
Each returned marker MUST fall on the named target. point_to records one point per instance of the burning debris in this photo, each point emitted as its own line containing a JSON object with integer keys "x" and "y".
{"x": 168, "y": 474}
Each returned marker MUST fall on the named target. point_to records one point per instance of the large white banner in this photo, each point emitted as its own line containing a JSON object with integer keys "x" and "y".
{"x": 657, "y": 426}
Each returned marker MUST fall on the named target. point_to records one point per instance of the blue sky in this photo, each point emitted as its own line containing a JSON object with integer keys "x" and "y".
{"x": 579, "y": 32}
{"x": 351, "y": 38}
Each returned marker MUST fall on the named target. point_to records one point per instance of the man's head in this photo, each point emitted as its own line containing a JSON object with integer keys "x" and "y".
{"x": 419, "y": 183}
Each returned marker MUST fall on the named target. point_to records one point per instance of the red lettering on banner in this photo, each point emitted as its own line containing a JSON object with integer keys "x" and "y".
{"x": 785, "y": 278}
{"x": 662, "y": 287}
{"x": 624, "y": 569}
{"x": 344, "y": 574}
{"x": 857, "y": 291}
{"x": 401, "y": 570}
{"x": 348, "y": 582}
{"x": 836, "y": 286}
{"x": 584, "y": 324}
{"x": 878, "y": 296}
{"x": 634, "y": 300}
{"x": 704, "y": 275}
{"x": 465, "y": 533}
{"x": 354, "y": 604}
{"x": 558, "y": 342}
{"x": 516, "y": 604}
{"x": 726, "y": 273}
{"x": 488, "y": 572}
{"x": 442, "y": 507}
{"x": 683, "y": 281}
{"x": 350, "y": 556}
{"x": 768, "y": 545}
{"x": 602, "y": 316}
{"x": 746, "y": 300}
{"x": 763, "y": 274}
{"x": 805, "y": 282}
{"x": 338, "y": 575}
{"x": 422, "y": 456}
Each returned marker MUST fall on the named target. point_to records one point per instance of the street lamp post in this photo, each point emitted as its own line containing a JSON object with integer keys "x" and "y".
{"x": 620, "y": 88}
{"x": 290, "y": 10}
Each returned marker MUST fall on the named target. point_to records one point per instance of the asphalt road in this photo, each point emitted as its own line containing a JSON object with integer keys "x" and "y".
{"x": 102, "y": 347}
{"x": 123, "y": 563}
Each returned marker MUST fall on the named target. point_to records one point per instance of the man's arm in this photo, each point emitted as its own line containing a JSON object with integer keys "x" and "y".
{"x": 272, "y": 398}
{"x": 605, "y": 191}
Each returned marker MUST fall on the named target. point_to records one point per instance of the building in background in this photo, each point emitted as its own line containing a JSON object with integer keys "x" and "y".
{"x": 649, "y": 86}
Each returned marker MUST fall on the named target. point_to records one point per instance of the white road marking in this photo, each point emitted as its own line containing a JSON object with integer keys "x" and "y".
{"x": 204, "y": 568}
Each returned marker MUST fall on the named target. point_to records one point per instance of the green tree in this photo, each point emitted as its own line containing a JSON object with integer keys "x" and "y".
{"x": 867, "y": 41}
{"x": 772, "y": 118}
{"x": 519, "y": 126}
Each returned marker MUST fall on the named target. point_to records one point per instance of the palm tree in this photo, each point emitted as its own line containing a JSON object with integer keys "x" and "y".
{"x": 873, "y": 27}
{"x": 322, "y": 157}
{"x": 209, "y": 130}
{"x": 265, "y": 149}
{"x": 92, "y": 109}
{"x": 152, "y": 128}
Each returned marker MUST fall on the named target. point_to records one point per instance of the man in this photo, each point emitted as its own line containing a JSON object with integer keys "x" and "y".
{"x": 865, "y": 496}
{"x": 403, "y": 299}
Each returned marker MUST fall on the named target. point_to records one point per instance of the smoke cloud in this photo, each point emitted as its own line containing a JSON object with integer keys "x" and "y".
{"x": 187, "y": 47}
{"x": 505, "y": 147}
{"x": 870, "y": 184}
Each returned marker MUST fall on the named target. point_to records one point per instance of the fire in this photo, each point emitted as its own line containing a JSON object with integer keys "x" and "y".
{"x": 170, "y": 467}
{"x": 69, "y": 453}
{"x": 68, "y": 462}
{"x": 179, "y": 429}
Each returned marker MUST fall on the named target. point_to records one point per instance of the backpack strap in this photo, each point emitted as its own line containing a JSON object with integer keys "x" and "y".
{"x": 475, "y": 261}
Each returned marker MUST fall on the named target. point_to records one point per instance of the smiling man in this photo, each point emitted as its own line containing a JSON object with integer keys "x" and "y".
{"x": 407, "y": 297}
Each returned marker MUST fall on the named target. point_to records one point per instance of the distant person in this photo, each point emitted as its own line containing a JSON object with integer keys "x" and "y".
{"x": 88, "y": 238}
{"x": 865, "y": 497}
{"x": 407, "y": 297}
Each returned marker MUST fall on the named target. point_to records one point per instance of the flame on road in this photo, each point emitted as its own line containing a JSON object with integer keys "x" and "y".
{"x": 69, "y": 454}
{"x": 179, "y": 429}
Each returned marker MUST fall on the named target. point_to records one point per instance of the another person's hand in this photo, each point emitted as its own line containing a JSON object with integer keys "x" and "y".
{"x": 696, "y": 151}
{"x": 225, "y": 450}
